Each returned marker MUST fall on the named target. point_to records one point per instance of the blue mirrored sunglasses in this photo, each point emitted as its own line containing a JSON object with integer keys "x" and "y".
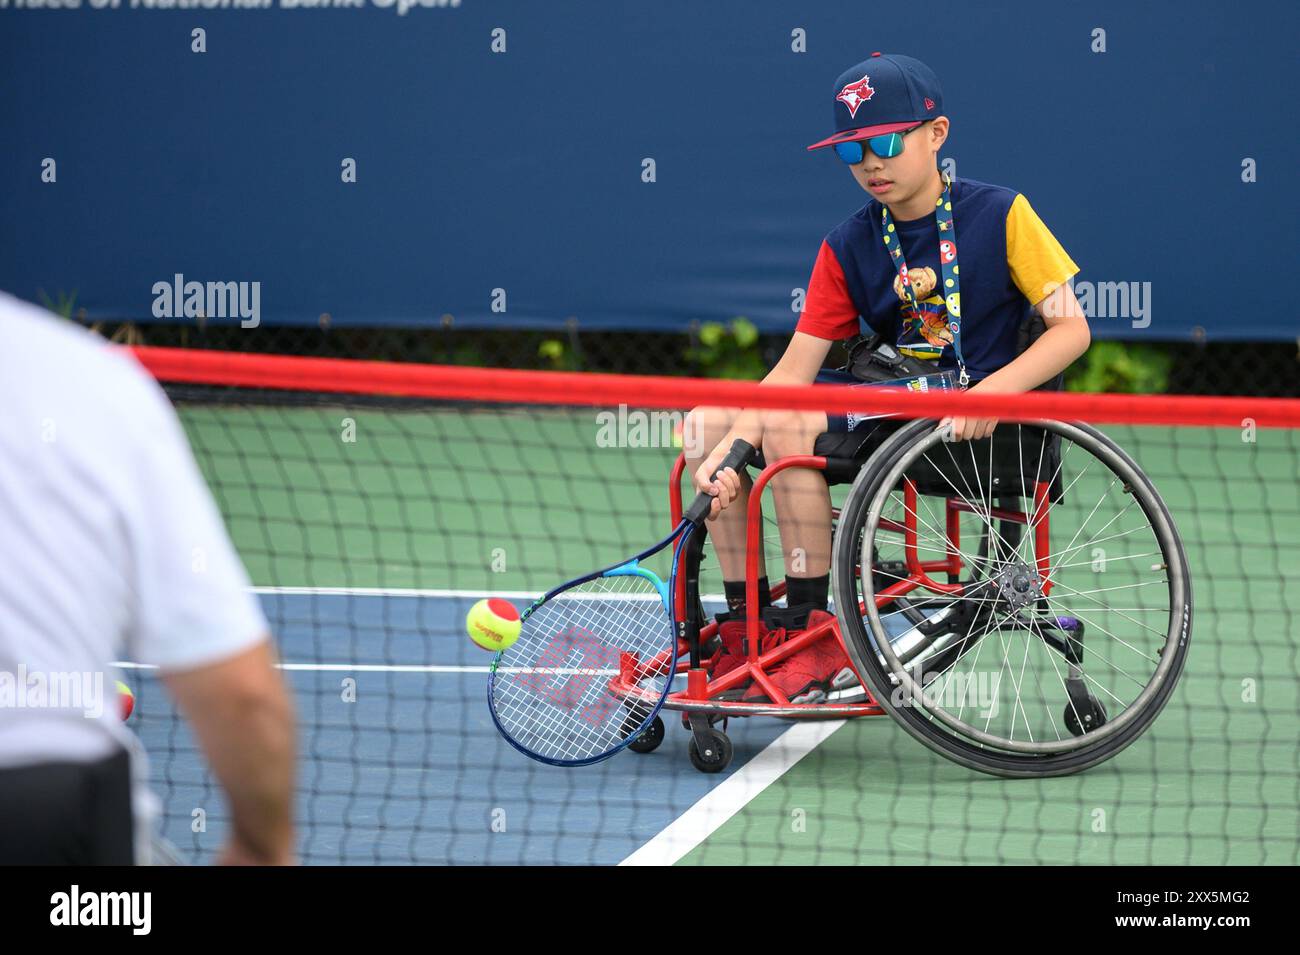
{"x": 886, "y": 147}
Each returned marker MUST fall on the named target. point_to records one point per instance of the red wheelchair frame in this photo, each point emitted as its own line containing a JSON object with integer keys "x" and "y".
{"x": 699, "y": 702}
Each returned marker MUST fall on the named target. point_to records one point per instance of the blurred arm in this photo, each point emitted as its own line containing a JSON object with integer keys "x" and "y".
{"x": 244, "y": 722}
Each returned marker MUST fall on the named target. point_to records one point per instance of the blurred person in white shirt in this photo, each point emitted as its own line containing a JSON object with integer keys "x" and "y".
{"x": 110, "y": 542}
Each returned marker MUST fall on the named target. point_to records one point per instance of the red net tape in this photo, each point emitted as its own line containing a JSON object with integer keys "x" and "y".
{"x": 497, "y": 385}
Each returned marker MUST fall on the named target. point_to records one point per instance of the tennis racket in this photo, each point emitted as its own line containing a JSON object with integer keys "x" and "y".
{"x": 552, "y": 692}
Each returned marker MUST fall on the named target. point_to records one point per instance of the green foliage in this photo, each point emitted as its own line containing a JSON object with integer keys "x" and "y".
{"x": 62, "y": 306}
{"x": 466, "y": 353}
{"x": 1121, "y": 368}
{"x": 557, "y": 356}
{"x": 728, "y": 351}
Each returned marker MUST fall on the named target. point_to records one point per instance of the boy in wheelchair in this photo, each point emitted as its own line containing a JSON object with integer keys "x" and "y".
{"x": 894, "y": 264}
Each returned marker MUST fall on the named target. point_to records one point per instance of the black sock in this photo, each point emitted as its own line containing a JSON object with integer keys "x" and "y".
{"x": 735, "y": 591}
{"x": 808, "y": 590}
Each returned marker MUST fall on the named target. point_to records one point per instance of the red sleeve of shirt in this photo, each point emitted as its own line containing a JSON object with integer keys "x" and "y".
{"x": 828, "y": 310}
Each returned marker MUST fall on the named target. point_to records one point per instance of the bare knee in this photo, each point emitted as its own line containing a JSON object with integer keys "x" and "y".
{"x": 704, "y": 427}
{"x": 787, "y": 433}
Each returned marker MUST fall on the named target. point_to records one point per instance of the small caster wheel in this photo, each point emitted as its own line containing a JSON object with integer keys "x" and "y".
{"x": 650, "y": 738}
{"x": 1083, "y": 719}
{"x": 715, "y": 754}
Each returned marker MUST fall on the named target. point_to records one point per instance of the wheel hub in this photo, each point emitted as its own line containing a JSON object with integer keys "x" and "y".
{"x": 1018, "y": 585}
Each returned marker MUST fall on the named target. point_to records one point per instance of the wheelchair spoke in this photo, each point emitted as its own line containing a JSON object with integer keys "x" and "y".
{"x": 1035, "y": 628}
{"x": 1051, "y": 658}
{"x": 1020, "y": 699}
{"x": 1020, "y": 456}
{"x": 1084, "y": 676}
{"x": 991, "y": 530}
{"x": 1102, "y": 540}
{"x": 1118, "y": 669}
{"x": 1022, "y": 551}
{"x": 1089, "y": 563}
{"x": 1102, "y": 606}
{"x": 1071, "y": 548}
{"x": 1002, "y": 666}
{"x": 991, "y": 622}
{"x": 1060, "y": 468}
{"x": 1084, "y": 524}
{"x": 949, "y": 672}
{"x": 969, "y": 497}
{"x": 937, "y": 538}
{"x": 1103, "y": 590}
{"x": 1033, "y": 625}
{"x": 1089, "y": 678}
{"x": 968, "y": 493}
{"x": 944, "y": 543}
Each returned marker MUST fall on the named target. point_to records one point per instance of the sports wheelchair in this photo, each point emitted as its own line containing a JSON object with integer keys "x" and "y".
{"x": 1019, "y": 604}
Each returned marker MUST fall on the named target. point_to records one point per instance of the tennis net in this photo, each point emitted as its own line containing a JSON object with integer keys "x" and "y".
{"x": 373, "y": 504}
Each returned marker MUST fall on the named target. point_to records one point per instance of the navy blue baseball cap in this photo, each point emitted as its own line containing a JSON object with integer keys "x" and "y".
{"x": 885, "y": 93}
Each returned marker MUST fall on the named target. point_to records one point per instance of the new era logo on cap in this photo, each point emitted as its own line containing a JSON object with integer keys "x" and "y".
{"x": 929, "y": 103}
{"x": 855, "y": 94}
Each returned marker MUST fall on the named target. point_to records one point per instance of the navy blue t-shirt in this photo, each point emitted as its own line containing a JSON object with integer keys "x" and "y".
{"x": 1007, "y": 261}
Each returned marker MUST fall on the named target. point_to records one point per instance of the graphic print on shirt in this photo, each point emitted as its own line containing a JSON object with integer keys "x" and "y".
{"x": 925, "y": 333}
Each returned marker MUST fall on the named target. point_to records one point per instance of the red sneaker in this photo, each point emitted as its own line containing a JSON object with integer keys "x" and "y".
{"x": 734, "y": 653}
{"x": 809, "y": 675}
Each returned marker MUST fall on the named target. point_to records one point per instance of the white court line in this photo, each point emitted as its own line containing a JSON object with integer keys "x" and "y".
{"x": 399, "y": 592}
{"x": 733, "y": 793}
{"x": 343, "y": 667}
{"x": 405, "y": 592}
{"x": 399, "y": 668}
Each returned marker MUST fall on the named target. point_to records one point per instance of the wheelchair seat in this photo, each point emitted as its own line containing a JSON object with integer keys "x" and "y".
{"x": 1022, "y": 455}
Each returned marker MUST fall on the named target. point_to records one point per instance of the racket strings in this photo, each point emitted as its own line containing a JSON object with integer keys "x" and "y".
{"x": 552, "y": 691}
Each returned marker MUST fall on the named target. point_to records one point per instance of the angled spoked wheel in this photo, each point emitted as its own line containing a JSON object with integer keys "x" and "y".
{"x": 1035, "y": 597}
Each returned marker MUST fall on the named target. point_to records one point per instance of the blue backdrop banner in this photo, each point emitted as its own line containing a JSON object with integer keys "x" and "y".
{"x": 628, "y": 166}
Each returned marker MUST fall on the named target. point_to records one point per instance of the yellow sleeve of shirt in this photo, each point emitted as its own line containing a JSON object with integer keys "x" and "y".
{"x": 1039, "y": 266}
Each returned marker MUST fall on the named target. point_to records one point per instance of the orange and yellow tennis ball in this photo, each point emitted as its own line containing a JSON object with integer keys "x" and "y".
{"x": 493, "y": 623}
{"x": 125, "y": 699}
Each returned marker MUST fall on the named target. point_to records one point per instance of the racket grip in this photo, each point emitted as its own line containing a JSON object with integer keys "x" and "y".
{"x": 740, "y": 456}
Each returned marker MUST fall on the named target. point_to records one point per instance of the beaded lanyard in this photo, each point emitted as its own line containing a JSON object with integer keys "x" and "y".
{"x": 947, "y": 265}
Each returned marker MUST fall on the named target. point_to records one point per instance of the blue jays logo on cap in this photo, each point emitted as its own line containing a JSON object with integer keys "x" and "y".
{"x": 885, "y": 93}
{"x": 855, "y": 94}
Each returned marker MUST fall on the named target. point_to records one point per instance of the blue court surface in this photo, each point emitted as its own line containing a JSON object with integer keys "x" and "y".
{"x": 400, "y": 761}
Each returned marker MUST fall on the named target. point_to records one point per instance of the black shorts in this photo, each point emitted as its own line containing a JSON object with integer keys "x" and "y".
{"x": 846, "y": 451}
{"x": 841, "y": 423}
{"x": 849, "y": 439}
{"x": 67, "y": 813}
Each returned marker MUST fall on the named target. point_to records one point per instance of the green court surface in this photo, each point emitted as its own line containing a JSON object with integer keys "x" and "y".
{"x": 469, "y": 500}
{"x": 489, "y": 501}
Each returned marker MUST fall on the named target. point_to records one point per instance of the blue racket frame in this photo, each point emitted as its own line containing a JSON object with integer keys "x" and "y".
{"x": 738, "y": 457}
{"x": 628, "y": 568}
